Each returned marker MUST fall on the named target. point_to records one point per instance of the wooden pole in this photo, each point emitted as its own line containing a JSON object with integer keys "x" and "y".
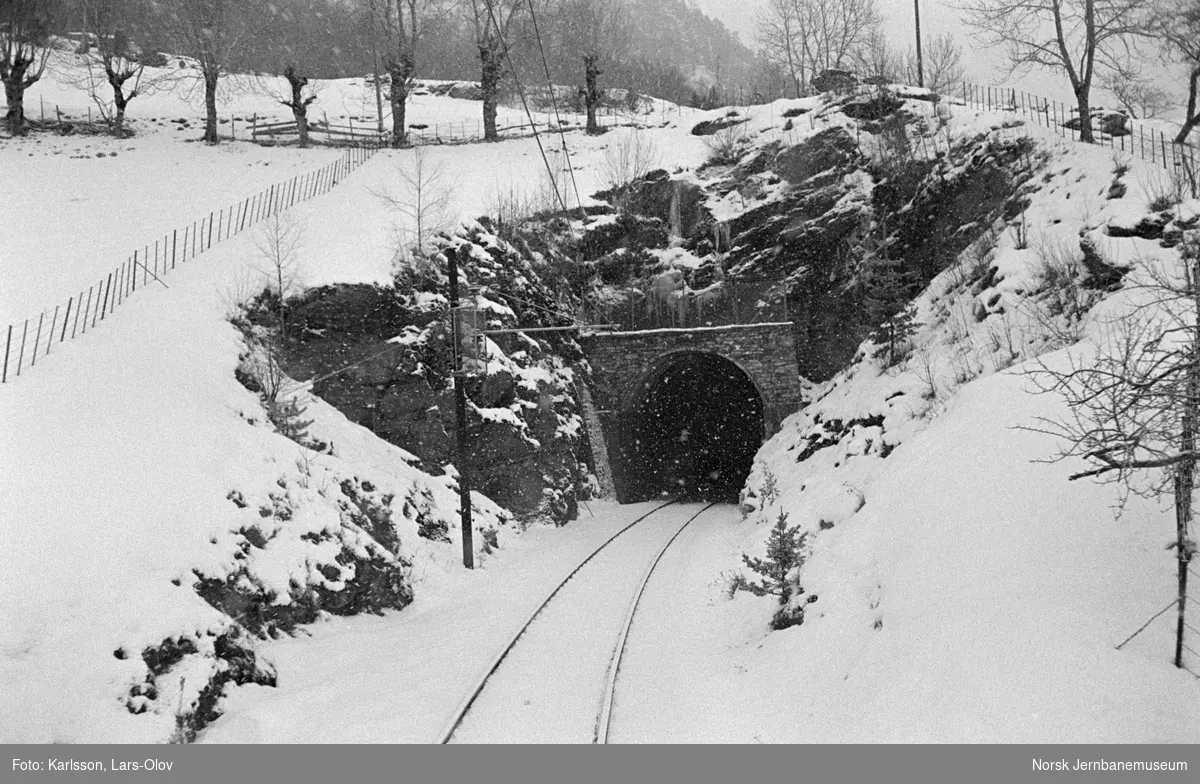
{"x": 920, "y": 61}
{"x": 460, "y": 433}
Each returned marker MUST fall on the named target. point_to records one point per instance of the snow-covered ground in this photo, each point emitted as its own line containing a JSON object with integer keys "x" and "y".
{"x": 965, "y": 591}
{"x": 124, "y": 448}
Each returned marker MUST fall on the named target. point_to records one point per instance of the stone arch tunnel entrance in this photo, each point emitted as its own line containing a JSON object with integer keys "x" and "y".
{"x": 683, "y": 411}
{"x": 690, "y": 429}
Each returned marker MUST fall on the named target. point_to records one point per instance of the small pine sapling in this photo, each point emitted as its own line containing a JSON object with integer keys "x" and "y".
{"x": 887, "y": 289}
{"x": 785, "y": 553}
{"x": 288, "y": 418}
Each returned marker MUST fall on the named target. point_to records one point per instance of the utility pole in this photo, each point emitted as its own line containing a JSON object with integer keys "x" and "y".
{"x": 460, "y": 415}
{"x": 920, "y": 62}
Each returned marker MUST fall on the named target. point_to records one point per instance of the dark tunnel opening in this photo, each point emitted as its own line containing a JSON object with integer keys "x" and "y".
{"x": 691, "y": 431}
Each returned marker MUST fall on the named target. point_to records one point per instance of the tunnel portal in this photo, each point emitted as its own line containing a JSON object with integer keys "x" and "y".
{"x": 690, "y": 430}
{"x": 683, "y": 411}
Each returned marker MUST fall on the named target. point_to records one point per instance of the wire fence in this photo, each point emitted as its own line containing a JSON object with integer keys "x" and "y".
{"x": 461, "y": 131}
{"x": 28, "y": 342}
{"x": 1111, "y": 129}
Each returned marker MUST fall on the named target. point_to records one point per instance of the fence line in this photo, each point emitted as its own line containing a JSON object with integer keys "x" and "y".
{"x": 452, "y": 132}
{"x": 1179, "y": 159}
{"x": 28, "y": 341}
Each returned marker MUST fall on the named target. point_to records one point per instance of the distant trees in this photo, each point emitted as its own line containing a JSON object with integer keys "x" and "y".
{"x": 596, "y": 31}
{"x": 941, "y": 64}
{"x": 491, "y": 21}
{"x": 114, "y": 59}
{"x": 25, "y": 29}
{"x": 1139, "y": 95}
{"x": 876, "y": 60}
{"x": 213, "y": 33}
{"x": 298, "y": 28}
{"x": 778, "y": 35}
{"x": 1076, "y": 37}
{"x": 811, "y": 36}
{"x": 400, "y": 23}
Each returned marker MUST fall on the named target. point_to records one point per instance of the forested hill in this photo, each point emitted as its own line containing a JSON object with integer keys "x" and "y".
{"x": 667, "y": 48}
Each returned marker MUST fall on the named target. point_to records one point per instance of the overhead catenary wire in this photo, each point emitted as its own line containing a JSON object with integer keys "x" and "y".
{"x": 525, "y": 103}
{"x": 554, "y": 102}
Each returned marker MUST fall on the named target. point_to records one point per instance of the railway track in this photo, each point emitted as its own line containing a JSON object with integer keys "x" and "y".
{"x": 602, "y": 717}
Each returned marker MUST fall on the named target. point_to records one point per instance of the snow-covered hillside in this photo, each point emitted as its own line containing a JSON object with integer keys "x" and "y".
{"x": 967, "y": 590}
{"x": 139, "y": 474}
{"x": 964, "y": 591}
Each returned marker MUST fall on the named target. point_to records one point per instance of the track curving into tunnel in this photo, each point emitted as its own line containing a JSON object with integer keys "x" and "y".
{"x": 558, "y": 684}
{"x": 690, "y": 429}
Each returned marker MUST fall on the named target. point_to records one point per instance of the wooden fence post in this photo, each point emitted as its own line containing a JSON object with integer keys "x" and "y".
{"x": 101, "y": 310}
{"x": 135, "y": 262}
{"x": 87, "y": 312}
{"x": 53, "y": 324}
{"x": 37, "y": 341}
{"x": 66, "y": 318}
{"x": 21, "y": 356}
{"x": 7, "y": 347}
{"x": 174, "y": 243}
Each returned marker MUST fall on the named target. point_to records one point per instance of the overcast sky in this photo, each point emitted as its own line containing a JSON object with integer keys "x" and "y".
{"x": 937, "y": 16}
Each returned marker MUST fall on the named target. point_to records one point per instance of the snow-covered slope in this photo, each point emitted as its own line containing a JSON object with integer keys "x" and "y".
{"x": 967, "y": 591}
{"x": 964, "y": 591}
{"x": 139, "y": 474}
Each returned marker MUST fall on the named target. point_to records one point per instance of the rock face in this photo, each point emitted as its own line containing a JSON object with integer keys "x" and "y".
{"x": 524, "y": 431}
{"x": 806, "y": 213}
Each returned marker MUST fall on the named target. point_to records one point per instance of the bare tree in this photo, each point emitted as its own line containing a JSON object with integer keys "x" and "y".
{"x": 629, "y": 156}
{"x": 816, "y": 35}
{"x": 778, "y": 27}
{"x": 278, "y": 242}
{"x": 1138, "y": 94}
{"x": 598, "y": 31}
{"x": 424, "y": 203}
{"x": 1133, "y": 409}
{"x": 491, "y": 21}
{"x": 400, "y": 22}
{"x": 877, "y": 61}
{"x": 25, "y": 28}
{"x": 837, "y": 30}
{"x": 211, "y": 32}
{"x": 114, "y": 60}
{"x": 941, "y": 64}
{"x": 1076, "y": 37}
{"x": 1177, "y": 22}
{"x": 298, "y": 27}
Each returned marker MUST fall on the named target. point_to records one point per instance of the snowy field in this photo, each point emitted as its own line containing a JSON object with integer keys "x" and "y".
{"x": 966, "y": 592}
